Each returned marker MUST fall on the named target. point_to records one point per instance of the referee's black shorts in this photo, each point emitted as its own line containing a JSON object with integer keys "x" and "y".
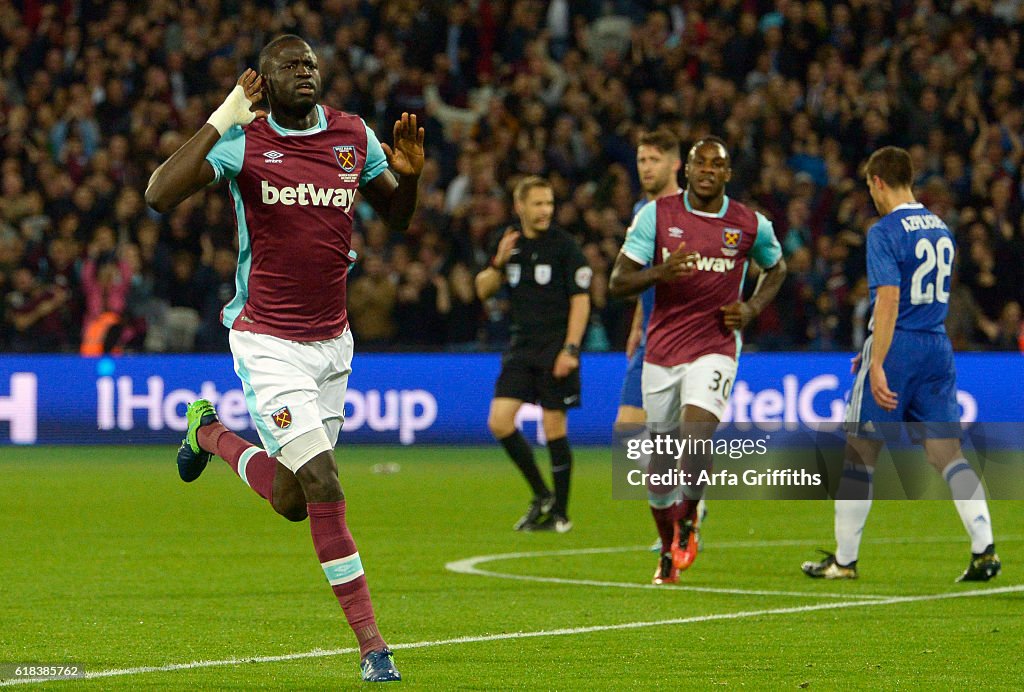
{"x": 526, "y": 375}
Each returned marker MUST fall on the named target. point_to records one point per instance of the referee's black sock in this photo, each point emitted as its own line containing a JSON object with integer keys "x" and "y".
{"x": 522, "y": 456}
{"x": 561, "y": 471}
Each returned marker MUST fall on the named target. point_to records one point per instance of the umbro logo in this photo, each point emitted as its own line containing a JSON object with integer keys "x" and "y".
{"x": 675, "y": 232}
{"x": 272, "y": 157}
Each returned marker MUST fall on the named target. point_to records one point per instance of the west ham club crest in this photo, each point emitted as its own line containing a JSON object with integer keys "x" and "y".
{"x": 346, "y": 156}
{"x": 282, "y": 417}
{"x": 731, "y": 241}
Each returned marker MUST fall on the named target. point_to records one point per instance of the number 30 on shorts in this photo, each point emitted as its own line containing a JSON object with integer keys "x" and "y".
{"x": 721, "y": 384}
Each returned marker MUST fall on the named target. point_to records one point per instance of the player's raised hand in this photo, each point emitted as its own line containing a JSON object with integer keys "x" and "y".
{"x": 737, "y": 315}
{"x": 679, "y": 264}
{"x": 407, "y": 156}
{"x": 237, "y": 107}
{"x": 505, "y": 247}
{"x": 252, "y": 84}
{"x": 884, "y": 397}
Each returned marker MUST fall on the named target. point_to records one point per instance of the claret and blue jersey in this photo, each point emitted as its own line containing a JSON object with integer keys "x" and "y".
{"x": 293, "y": 194}
{"x": 686, "y": 321}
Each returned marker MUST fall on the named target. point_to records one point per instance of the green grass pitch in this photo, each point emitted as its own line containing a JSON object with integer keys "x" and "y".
{"x": 112, "y": 563}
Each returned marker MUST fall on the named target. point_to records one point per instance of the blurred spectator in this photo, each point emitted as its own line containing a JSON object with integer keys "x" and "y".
{"x": 1005, "y": 336}
{"x": 465, "y": 312}
{"x": 218, "y": 290}
{"x": 186, "y": 291}
{"x": 422, "y": 307}
{"x": 35, "y": 315}
{"x": 371, "y": 304}
{"x": 106, "y": 281}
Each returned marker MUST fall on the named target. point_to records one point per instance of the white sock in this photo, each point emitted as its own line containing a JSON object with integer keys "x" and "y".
{"x": 851, "y": 515}
{"x": 853, "y": 503}
{"x": 969, "y": 497}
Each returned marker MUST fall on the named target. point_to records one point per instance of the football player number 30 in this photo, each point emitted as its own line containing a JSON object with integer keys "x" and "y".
{"x": 721, "y": 385}
{"x": 938, "y": 256}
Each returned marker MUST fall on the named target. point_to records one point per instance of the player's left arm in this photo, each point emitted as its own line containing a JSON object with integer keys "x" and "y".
{"x": 884, "y": 255}
{"x": 393, "y": 199}
{"x": 887, "y": 308}
{"x": 767, "y": 253}
{"x": 578, "y": 277}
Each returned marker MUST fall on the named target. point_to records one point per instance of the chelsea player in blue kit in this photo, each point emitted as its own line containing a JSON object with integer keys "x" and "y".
{"x": 907, "y": 365}
{"x": 657, "y": 164}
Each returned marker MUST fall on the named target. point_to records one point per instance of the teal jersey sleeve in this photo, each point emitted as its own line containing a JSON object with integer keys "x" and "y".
{"x": 376, "y": 161}
{"x": 641, "y": 235}
{"x": 766, "y": 250}
{"x": 227, "y": 154}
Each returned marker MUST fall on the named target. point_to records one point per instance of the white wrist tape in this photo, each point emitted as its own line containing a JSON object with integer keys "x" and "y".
{"x": 234, "y": 111}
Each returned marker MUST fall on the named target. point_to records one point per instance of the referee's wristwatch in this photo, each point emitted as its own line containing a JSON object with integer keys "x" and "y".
{"x": 572, "y": 349}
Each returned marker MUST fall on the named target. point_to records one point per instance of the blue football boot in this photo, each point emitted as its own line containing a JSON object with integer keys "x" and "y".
{"x": 379, "y": 666}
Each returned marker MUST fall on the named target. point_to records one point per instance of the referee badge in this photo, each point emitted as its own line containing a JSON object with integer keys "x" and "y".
{"x": 282, "y": 417}
{"x": 583, "y": 277}
{"x": 542, "y": 274}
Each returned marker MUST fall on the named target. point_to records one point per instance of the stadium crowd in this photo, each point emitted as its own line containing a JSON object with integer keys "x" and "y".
{"x": 93, "y": 95}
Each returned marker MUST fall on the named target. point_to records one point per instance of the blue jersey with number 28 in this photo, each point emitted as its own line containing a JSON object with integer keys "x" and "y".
{"x": 912, "y": 248}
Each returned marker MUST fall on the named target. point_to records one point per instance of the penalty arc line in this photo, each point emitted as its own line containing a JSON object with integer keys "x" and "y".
{"x": 469, "y": 566}
{"x": 561, "y": 632}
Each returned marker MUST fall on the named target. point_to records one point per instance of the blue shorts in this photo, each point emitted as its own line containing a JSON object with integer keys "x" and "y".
{"x": 920, "y": 369}
{"x": 632, "y": 393}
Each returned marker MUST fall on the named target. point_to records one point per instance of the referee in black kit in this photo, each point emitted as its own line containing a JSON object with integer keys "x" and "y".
{"x": 548, "y": 284}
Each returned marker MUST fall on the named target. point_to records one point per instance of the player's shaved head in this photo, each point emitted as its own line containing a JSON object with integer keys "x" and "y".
{"x": 710, "y": 139}
{"x": 271, "y": 48}
{"x": 892, "y": 165}
{"x": 708, "y": 169}
{"x": 291, "y": 80}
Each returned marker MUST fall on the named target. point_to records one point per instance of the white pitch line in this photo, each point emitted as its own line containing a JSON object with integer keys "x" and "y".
{"x": 561, "y": 632}
{"x": 469, "y": 566}
{"x": 469, "y": 569}
{"x": 898, "y": 540}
